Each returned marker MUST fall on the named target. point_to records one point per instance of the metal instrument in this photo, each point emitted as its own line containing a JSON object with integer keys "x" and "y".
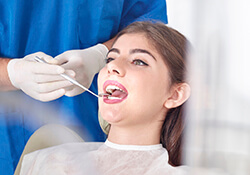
{"x": 38, "y": 59}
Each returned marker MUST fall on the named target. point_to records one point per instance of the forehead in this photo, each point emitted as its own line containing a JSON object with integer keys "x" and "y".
{"x": 128, "y": 42}
{"x": 135, "y": 40}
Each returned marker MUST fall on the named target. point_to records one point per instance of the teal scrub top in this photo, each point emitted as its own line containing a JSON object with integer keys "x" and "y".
{"x": 54, "y": 26}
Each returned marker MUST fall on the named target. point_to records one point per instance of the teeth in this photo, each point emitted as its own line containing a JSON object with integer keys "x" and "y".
{"x": 111, "y": 88}
{"x": 113, "y": 98}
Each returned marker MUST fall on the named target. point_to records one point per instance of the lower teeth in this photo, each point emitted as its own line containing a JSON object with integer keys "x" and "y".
{"x": 113, "y": 98}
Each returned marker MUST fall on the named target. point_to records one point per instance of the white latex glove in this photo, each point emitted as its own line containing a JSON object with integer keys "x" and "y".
{"x": 39, "y": 80}
{"x": 85, "y": 63}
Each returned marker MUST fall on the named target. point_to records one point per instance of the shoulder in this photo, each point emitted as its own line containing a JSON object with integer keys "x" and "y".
{"x": 68, "y": 148}
{"x": 57, "y": 154}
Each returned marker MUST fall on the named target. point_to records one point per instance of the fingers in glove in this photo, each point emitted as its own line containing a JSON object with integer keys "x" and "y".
{"x": 50, "y": 60}
{"x": 42, "y": 55}
{"x": 45, "y": 97}
{"x": 74, "y": 91}
{"x": 70, "y": 59}
{"x": 70, "y": 88}
{"x": 41, "y": 78}
{"x": 52, "y": 86}
{"x": 62, "y": 58}
{"x": 43, "y": 68}
{"x": 31, "y": 89}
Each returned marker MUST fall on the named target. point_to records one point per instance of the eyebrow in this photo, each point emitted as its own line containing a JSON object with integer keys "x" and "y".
{"x": 114, "y": 50}
{"x": 133, "y": 51}
{"x": 142, "y": 51}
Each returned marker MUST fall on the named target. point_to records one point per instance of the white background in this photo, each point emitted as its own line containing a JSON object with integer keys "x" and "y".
{"x": 219, "y": 111}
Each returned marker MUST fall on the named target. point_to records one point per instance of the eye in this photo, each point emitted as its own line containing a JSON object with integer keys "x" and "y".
{"x": 109, "y": 59}
{"x": 139, "y": 62}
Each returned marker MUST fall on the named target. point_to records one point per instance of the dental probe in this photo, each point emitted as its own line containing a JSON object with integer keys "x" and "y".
{"x": 72, "y": 80}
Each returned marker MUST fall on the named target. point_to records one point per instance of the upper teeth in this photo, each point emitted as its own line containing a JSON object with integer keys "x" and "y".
{"x": 111, "y": 88}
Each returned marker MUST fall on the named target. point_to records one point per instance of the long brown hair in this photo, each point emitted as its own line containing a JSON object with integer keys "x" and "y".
{"x": 171, "y": 45}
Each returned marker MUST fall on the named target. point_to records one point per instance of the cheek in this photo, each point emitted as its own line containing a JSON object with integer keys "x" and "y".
{"x": 152, "y": 90}
{"x": 150, "y": 84}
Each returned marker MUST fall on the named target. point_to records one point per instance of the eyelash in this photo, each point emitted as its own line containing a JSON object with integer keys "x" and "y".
{"x": 135, "y": 61}
{"x": 141, "y": 63}
{"x": 109, "y": 59}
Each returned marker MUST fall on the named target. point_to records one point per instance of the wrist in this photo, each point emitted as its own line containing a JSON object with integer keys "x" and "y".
{"x": 103, "y": 51}
{"x": 109, "y": 43}
{"x": 11, "y": 72}
{"x": 5, "y": 83}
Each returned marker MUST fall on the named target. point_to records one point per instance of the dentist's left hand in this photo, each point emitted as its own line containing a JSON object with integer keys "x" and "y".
{"x": 85, "y": 63}
{"x": 39, "y": 80}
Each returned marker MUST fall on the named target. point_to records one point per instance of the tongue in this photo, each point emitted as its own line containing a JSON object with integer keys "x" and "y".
{"x": 119, "y": 94}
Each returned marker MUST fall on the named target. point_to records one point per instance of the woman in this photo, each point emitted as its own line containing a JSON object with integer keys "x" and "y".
{"x": 145, "y": 77}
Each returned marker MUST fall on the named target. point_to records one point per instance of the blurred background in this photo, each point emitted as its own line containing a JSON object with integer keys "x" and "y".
{"x": 218, "y": 131}
{"x": 218, "y": 136}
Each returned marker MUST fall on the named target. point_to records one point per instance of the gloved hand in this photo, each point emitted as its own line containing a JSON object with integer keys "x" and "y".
{"x": 38, "y": 80}
{"x": 85, "y": 63}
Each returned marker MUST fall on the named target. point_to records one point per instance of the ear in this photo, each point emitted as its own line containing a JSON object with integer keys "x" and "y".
{"x": 179, "y": 94}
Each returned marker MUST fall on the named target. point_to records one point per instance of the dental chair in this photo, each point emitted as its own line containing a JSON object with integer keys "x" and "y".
{"x": 52, "y": 135}
{"x": 47, "y": 136}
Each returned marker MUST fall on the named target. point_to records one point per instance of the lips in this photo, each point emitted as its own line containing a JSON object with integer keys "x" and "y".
{"x": 118, "y": 92}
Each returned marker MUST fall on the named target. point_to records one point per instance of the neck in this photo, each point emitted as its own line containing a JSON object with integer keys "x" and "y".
{"x": 135, "y": 135}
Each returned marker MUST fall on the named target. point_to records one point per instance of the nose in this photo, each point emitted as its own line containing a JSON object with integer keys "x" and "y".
{"x": 116, "y": 67}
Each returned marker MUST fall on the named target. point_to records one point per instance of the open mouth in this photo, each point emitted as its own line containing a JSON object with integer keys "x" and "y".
{"x": 116, "y": 91}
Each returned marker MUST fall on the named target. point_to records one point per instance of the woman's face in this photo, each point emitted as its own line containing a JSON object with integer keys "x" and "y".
{"x": 139, "y": 80}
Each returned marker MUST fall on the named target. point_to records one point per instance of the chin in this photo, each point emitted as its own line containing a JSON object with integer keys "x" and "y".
{"x": 111, "y": 117}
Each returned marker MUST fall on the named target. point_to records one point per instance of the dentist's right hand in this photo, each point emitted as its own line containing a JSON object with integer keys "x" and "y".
{"x": 39, "y": 80}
